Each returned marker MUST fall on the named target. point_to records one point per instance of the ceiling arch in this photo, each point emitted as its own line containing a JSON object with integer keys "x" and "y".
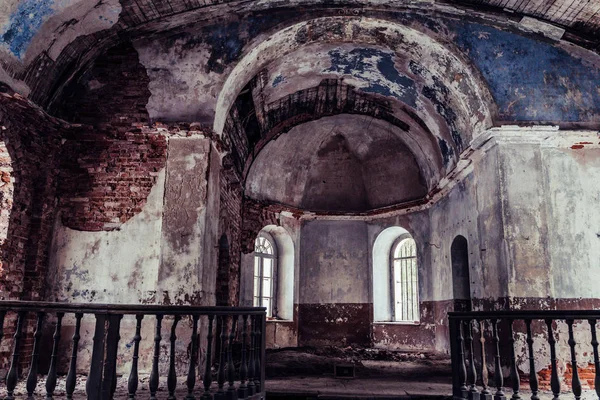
{"x": 472, "y": 106}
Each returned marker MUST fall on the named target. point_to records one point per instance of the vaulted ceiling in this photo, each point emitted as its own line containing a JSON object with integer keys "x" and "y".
{"x": 314, "y": 89}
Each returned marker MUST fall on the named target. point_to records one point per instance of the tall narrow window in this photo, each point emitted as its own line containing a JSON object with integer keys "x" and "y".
{"x": 405, "y": 281}
{"x": 264, "y": 273}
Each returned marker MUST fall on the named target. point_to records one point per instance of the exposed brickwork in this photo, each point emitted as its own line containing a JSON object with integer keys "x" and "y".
{"x": 256, "y": 215}
{"x": 6, "y": 191}
{"x": 113, "y": 90}
{"x": 32, "y": 140}
{"x": 106, "y": 178}
{"x": 230, "y": 225}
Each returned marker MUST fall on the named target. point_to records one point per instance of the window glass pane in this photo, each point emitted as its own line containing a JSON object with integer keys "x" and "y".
{"x": 267, "y": 287}
{"x": 256, "y": 302}
{"x": 267, "y": 303}
{"x": 263, "y": 245}
{"x": 267, "y": 267}
{"x": 256, "y": 287}
{"x": 256, "y": 265}
{"x": 405, "y": 278}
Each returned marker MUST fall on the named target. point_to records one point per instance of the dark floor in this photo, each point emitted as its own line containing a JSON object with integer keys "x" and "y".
{"x": 299, "y": 374}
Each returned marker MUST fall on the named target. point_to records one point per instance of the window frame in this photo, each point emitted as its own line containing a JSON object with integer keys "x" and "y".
{"x": 261, "y": 256}
{"x": 392, "y": 266}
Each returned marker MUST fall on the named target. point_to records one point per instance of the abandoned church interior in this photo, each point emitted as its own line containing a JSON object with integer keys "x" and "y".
{"x": 190, "y": 189}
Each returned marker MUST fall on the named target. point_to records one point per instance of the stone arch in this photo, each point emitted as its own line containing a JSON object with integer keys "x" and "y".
{"x": 444, "y": 62}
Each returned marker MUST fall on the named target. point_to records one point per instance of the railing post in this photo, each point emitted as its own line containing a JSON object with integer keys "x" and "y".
{"x": 459, "y": 389}
{"x": 220, "y": 395}
{"x": 485, "y": 392}
{"x": 191, "y": 377}
{"x": 231, "y": 391}
{"x": 473, "y": 392}
{"x": 594, "y": 343}
{"x": 94, "y": 381}
{"x": 243, "y": 389}
{"x": 172, "y": 376}
{"x": 498, "y": 377}
{"x": 575, "y": 383}
{"x": 13, "y": 373}
{"x": 132, "y": 382}
{"x": 258, "y": 359}
{"x": 109, "y": 381}
{"x": 263, "y": 352}
{"x": 32, "y": 377}
{"x": 154, "y": 374}
{"x": 533, "y": 379}
{"x": 251, "y": 363}
{"x": 51, "y": 378}
{"x": 554, "y": 382}
{"x": 72, "y": 374}
{"x": 207, "y": 380}
{"x": 514, "y": 372}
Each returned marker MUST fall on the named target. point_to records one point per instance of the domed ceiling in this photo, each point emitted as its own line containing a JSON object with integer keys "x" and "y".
{"x": 345, "y": 163}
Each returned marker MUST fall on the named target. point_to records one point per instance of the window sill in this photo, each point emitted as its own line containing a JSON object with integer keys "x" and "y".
{"x": 285, "y": 321}
{"x": 414, "y": 323}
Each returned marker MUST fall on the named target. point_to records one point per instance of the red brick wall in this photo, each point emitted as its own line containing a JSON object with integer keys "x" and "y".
{"x": 230, "y": 224}
{"x": 106, "y": 177}
{"x": 33, "y": 140}
{"x": 256, "y": 215}
{"x": 113, "y": 90}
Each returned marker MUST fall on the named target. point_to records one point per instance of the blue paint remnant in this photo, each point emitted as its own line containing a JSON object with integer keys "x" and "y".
{"x": 24, "y": 24}
{"x": 278, "y": 80}
{"x": 226, "y": 46}
{"x": 375, "y": 67}
{"x": 447, "y": 152}
{"x": 531, "y": 80}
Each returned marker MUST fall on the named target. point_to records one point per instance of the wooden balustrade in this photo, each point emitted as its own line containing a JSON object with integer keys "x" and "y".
{"x": 240, "y": 361}
{"x": 499, "y": 328}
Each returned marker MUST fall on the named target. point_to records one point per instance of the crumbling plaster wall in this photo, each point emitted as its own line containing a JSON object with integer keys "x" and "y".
{"x": 550, "y": 226}
{"x": 165, "y": 254}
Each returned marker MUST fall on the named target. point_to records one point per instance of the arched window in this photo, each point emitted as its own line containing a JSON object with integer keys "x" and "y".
{"x": 405, "y": 287}
{"x": 265, "y": 270}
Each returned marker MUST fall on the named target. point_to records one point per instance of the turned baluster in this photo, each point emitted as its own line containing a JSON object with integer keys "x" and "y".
{"x": 51, "y": 379}
{"x": 12, "y": 377}
{"x": 133, "y": 381}
{"x": 231, "y": 392}
{"x": 575, "y": 383}
{"x": 32, "y": 377}
{"x": 462, "y": 368}
{"x": 257, "y": 353}
{"x": 533, "y": 379}
{"x": 191, "y": 377}
{"x": 2, "y": 315}
{"x": 243, "y": 389}
{"x": 251, "y": 363}
{"x": 72, "y": 374}
{"x": 485, "y": 392}
{"x": 473, "y": 392}
{"x": 498, "y": 377}
{"x": 554, "y": 382}
{"x": 514, "y": 372}
{"x": 594, "y": 342}
{"x": 207, "y": 370}
{"x": 153, "y": 384}
{"x": 221, "y": 375}
{"x": 172, "y": 377}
